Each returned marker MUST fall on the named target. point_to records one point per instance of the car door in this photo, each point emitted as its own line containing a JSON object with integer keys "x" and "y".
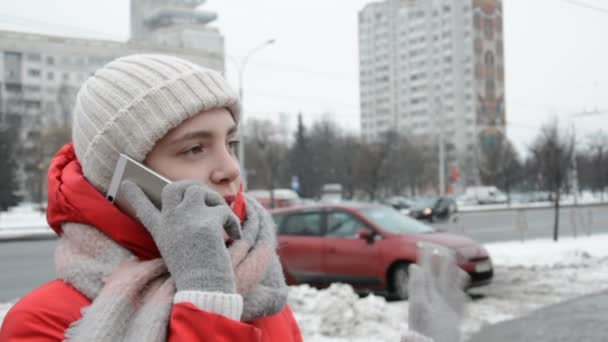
{"x": 441, "y": 209}
{"x": 348, "y": 258}
{"x": 300, "y": 246}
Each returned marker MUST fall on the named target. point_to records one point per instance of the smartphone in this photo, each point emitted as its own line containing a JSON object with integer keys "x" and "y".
{"x": 148, "y": 180}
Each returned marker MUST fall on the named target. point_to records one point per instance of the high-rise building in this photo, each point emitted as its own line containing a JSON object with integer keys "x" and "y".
{"x": 40, "y": 74}
{"x": 431, "y": 68}
{"x": 174, "y": 23}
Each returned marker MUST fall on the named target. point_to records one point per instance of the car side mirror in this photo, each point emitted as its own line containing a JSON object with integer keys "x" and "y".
{"x": 366, "y": 234}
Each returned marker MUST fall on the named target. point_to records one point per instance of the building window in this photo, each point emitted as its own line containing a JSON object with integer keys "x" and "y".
{"x": 32, "y": 104}
{"x": 50, "y": 60}
{"x": 34, "y": 72}
{"x": 490, "y": 89}
{"x": 489, "y": 62}
{"x": 66, "y": 76}
{"x": 488, "y": 28}
{"x": 32, "y": 89}
{"x": 498, "y": 25}
{"x": 489, "y": 58}
{"x": 478, "y": 46}
{"x": 33, "y": 57}
{"x": 50, "y": 76}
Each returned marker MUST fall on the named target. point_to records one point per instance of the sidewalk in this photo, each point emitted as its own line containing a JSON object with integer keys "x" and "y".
{"x": 581, "y": 319}
{"x": 24, "y": 223}
{"x": 27, "y": 234}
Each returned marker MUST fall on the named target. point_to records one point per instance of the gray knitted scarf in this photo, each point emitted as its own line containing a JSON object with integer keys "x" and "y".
{"x": 132, "y": 299}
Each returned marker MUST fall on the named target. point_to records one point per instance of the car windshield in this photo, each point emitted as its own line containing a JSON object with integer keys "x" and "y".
{"x": 425, "y": 203}
{"x": 392, "y": 221}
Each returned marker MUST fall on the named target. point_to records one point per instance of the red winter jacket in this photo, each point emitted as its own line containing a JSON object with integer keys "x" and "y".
{"x": 47, "y": 312}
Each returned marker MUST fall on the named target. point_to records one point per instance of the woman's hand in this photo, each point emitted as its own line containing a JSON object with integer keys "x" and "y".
{"x": 189, "y": 231}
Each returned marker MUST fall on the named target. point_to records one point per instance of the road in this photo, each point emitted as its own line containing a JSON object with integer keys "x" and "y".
{"x": 496, "y": 226}
{"x": 24, "y": 265}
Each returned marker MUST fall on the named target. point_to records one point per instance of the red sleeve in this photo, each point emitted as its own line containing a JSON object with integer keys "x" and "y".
{"x": 22, "y": 326}
{"x": 295, "y": 328}
{"x": 188, "y": 323}
{"x": 43, "y": 315}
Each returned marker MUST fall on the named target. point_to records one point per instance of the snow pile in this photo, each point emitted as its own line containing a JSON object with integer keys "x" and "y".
{"x": 338, "y": 312}
{"x": 567, "y": 251}
{"x": 24, "y": 215}
{"x": 3, "y": 310}
{"x": 23, "y": 221}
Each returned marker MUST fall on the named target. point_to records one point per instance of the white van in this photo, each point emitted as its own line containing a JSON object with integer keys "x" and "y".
{"x": 331, "y": 193}
{"x": 486, "y": 194}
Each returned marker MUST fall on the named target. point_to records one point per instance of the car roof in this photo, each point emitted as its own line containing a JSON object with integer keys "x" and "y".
{"x": 339, "y": 205}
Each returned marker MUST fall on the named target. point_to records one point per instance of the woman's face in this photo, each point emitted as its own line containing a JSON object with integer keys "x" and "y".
{"x": 202, "y": 148}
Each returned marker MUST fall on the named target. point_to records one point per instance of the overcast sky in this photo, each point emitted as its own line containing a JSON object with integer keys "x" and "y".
{"x": 555, "y": 50}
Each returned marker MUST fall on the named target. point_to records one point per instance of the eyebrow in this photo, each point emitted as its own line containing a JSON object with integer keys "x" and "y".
{"x": 205, "y": 135}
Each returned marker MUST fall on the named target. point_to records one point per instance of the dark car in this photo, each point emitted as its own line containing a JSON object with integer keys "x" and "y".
{"x": 368, "y": 246}
{"x": 400, "y": 203}
{"x": 434, "y": 209}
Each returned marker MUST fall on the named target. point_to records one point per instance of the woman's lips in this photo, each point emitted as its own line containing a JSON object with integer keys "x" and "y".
{"x": 230, "y": 199}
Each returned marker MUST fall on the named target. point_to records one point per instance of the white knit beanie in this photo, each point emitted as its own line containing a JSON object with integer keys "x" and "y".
{"x": 133, "y": 101}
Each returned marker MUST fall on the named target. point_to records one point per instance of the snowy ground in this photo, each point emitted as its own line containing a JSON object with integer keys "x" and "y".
{"x": 23, "y": 221}
{"x": 528, "y": 276}
{"x": 566, "y": 201}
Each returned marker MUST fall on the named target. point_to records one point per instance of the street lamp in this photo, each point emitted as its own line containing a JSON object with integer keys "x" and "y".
{"x": 241, "y": 70}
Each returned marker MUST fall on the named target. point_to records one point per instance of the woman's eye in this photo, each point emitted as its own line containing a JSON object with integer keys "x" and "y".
{"x": 193, "y": 150}
{"x": 234, "y": 145}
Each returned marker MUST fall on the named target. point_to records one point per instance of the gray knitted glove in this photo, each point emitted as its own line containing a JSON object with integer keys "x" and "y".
{"x": 189, "y": 233}
{"x": 437, "y": 300}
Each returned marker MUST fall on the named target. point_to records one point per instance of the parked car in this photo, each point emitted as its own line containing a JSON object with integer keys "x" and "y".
{"x": 434, "y": 209}
{"x": 400, "y": 203}
{"x": 282, "y": 197}
{"x": 368, "y": 246}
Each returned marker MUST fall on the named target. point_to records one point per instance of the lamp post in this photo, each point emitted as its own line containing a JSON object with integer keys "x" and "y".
{"x": 241, "y": 70}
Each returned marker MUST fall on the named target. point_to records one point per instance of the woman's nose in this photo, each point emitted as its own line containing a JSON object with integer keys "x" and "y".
{"x": 227, "y": 168}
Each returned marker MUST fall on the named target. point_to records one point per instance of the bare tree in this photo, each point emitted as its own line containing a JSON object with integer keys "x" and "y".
{"x": 324, "y": 140}
{"x": 500, "y": 165}
{"x": 593, "y": 165}
{"x": 552, "y": 152}
{"x": 414, "y": 165}
{"x": 51, "y": 139}
{"x": 270, "y": 152}
{"x": 348, "y": 151}
{"x": 300, "y": 162}
{"x": 8, "y": 186}
{"x": 374, "y": 171}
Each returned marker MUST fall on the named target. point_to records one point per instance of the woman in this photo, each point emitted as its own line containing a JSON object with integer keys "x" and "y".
{"x": 204, "y": 267}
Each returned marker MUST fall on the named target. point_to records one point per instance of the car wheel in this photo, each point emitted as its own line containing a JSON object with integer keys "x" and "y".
{"x": 400, "y": 279}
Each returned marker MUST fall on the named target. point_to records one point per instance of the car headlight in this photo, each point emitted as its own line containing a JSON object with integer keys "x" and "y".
{"x": 459, "y": 258}
{"x": 427, "y": 212}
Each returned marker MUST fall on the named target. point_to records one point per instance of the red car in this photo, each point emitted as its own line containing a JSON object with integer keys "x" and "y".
{"x": 366, "y": 245}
